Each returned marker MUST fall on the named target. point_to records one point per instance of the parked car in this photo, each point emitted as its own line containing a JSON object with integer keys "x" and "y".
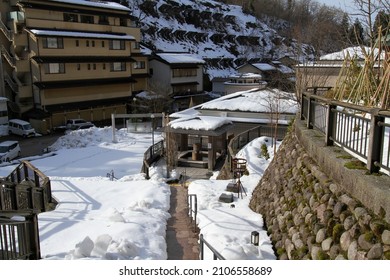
{"x": 74, "y": 124}
{"x": 20, "y": 127}
{"x": 9, "y": 150}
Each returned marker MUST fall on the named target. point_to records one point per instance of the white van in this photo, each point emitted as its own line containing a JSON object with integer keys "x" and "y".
{"x": 20, "y": 127}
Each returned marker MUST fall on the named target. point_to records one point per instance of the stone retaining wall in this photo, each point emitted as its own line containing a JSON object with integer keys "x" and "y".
{"x": 310, "y": 215}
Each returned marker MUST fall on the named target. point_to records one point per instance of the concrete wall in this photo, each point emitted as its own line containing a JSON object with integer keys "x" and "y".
{"x": 316, "y": 208}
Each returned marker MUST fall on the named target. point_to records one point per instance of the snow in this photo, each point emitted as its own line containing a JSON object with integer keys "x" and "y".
{"x": 229, "y": 228}
{"x": 99, "y": 4}
{"x": 125, "y": 218}
{"x": 254, "y": 101}
{"x": 199, "y": 123}
{"x": 80, "y": 34}
{"x": 352, "y": 52}
{"x": 204, "y": 48}
{"x": 264, "y": 66}
{"x": 173, "y": 58}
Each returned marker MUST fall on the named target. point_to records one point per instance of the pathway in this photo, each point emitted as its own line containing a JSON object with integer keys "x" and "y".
{"x": 182, "y": 234}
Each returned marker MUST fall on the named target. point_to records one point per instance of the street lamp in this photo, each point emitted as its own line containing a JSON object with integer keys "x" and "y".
{"x": 255, "y": 238}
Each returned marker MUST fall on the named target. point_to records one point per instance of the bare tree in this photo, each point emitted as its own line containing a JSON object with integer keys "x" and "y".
{"x": 367, "y": 10}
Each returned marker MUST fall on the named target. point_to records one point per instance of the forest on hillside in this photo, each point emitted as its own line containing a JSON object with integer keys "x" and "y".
{"x": 324, "y": 27}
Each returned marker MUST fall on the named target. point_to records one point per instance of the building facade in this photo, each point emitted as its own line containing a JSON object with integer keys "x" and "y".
{"x": 178, "y": 74}
{"x": 66, "y": 59}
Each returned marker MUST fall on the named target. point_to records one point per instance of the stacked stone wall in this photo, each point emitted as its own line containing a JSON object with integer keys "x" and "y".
{"x": 309, "y": 215}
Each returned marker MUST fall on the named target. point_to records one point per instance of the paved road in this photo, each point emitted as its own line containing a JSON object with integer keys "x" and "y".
{"x": 35, "y": 145}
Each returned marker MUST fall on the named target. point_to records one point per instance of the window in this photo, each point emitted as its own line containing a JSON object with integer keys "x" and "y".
{"x": 71, "y": 17}
{"x": 87, "y": 19}
{"x": 54, "y": 68}
{"x": 93, "y": 43}
{"x": 77, "y": 43}
{"x": 123, "y": 21}
{"x": 118, "y": 66}
{"x": 103, "y": 19}
{"x": 184, "y": 88}
{"x": 184, "y": 72}
{"x": 117, "y": 45}
{"x": 89, "y": 66}
{"x": 53, "y": 43}
{"x": 104, "y": 66}
{"x": 136, "y": 45}
{"x": 103, "y": 44}
{"x": 78, "y": 66}
{"x": 87, "y": 43}
{"x": 139, "y": 65}
{"x": 94, "y": 66}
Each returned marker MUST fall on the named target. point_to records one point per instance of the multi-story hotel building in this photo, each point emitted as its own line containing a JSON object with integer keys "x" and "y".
{"x": 64, "y": 59}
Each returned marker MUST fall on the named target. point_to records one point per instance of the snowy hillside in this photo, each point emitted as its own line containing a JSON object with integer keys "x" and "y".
{"x": 223, "y": 35}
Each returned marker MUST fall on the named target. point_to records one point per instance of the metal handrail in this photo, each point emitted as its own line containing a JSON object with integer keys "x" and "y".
{"x": 192, "y": 202}
{"x": 216, "y": 254}
{"x": 361, "y": 130}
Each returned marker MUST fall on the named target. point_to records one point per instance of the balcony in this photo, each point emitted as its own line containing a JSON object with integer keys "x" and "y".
{"x": 78, "y": 26}
{"x": 20, "y": 65}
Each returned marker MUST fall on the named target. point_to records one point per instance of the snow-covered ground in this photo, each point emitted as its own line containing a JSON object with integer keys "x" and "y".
{"x": 125, "y": 218}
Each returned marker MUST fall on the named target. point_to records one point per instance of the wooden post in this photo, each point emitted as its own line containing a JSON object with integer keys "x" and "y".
{"x": 34, "y": 237}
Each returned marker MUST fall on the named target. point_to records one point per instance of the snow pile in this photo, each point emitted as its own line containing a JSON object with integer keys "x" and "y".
{"x": 86, "y": 137}
{"x": 228, "y": 226}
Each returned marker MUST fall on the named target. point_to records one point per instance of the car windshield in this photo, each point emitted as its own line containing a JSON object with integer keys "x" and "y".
{"x": 3, "y": 149}
{"x": 27, "y": 126}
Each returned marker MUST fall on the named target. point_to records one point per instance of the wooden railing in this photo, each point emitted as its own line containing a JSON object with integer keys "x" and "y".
{"x": 17, "y": 239}
{"x": 152, "y": 154}
{"x": 363, "y": 132}
{"x": 24, "y": 193}
{"x": 239, "y": 141}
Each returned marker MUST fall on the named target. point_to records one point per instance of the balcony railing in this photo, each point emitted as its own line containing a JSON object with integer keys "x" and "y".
{"x": 363, "y": 132}
{"x": 15, "y": 239}
{"x": 7, "y": 32}
{"x": 25, "y": 191}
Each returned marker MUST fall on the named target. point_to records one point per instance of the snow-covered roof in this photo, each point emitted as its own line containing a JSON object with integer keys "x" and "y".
{"x": 98, "y": 4}
{"x": 264, "y": 66}
{"x": 285, "y": 69}
{"x": 199, "y": 123}
{"x": 246, "y": 75}
{"x": 262, "y": 100}
{"x": 173, "y": 58}
{"x": 353, "y": 52}
{"x": 41, "y": 32}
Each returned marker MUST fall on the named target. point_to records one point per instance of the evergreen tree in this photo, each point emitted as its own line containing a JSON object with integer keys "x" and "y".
{"x": 382, "y": 20}
{"x": 356, "y": 33}
{"x": 344, "y": 27}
